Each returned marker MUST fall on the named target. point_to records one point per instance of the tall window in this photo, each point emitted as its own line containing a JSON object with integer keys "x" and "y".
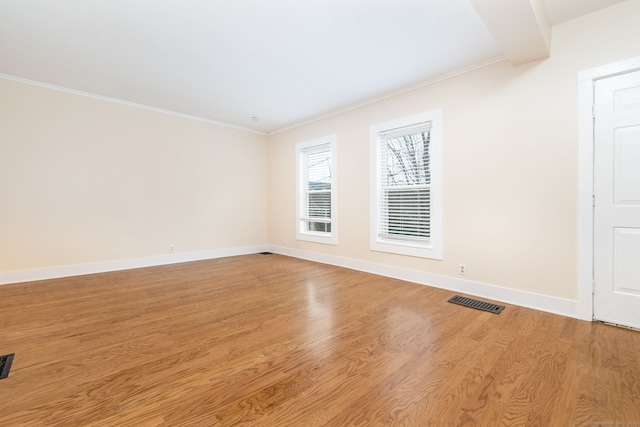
{"x": 316, "y": 190}
{"x": 406, "y": 191}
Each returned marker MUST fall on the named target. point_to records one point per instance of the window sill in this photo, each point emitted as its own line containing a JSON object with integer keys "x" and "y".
{"x": 411, "y": 249}
{"x": 317, "y": 238}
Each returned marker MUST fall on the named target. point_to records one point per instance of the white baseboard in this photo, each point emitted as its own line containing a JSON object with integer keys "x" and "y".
{"x": 19, "y": 276}
{"x": 561, "y": 306}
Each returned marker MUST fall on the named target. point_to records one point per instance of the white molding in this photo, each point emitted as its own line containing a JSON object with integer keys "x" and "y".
{"x": 127, "y": 103}
{"x": 586, "y": 81}
{"x": 550, "y": 304}
{"x": 20, "y": 276}
{"x": 585, "y": 194}
{"x": 610, "y": 70}
{"x": 535, "y": 301}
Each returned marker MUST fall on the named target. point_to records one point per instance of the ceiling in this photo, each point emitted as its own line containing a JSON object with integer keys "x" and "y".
{"x": 254, "y": 64}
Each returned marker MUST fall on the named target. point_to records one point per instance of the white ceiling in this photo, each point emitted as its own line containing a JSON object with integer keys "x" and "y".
{"x": 282, "y": 61}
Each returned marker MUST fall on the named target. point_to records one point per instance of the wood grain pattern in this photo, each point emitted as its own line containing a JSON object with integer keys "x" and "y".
{"x": 267, "y": 340}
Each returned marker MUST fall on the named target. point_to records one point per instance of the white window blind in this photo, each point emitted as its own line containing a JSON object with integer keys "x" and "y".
{"x": 404, "y": 183}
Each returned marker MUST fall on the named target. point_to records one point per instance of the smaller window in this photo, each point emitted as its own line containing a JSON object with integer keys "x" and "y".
{"x": 316, "y": 190}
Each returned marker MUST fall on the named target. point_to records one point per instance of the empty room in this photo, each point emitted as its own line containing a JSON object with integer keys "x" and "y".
{"x": 320, "y": 213}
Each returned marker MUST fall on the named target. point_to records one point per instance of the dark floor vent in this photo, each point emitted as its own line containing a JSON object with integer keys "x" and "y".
{"x": 264, "y": 253}
{"x": 480, "y": 305}
{"x": 5, "y": 365}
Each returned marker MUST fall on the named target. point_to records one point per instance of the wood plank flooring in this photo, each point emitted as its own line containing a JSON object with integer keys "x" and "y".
{"x": 267, "y": 340}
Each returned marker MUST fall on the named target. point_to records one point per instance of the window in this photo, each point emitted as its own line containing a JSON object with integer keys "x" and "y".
{"x": 317, "y": 191}
{"x": 406, "y": 186}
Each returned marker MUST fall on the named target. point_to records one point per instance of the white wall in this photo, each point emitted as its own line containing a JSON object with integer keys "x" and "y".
{"x": 84, "y": 180}
{"x": 510, "y": 164}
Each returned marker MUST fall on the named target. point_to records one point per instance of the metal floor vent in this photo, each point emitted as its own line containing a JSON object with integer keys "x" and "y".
{"x": 5, "y": 365}
{"x": 474, "y": 303}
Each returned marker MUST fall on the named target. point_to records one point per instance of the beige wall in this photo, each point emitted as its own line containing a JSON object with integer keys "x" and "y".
{"x": 510, "y": 163}
{"x": 84, "y": 180}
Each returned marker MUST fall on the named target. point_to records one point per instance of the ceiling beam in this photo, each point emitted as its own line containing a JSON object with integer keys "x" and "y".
{"x": 521, "y": 28}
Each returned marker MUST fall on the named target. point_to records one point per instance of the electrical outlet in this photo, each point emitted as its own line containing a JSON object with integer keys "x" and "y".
{"x": 462, "y": 269}
{"x": 172, "y": 249}
{"x": 284, "y": 242}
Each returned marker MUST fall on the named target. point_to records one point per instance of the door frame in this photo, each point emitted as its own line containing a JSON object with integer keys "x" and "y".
{"x": 586, "y": 81}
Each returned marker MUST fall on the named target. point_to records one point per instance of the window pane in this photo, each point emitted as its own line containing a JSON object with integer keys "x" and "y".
{"x": 408, "y": 159}
{"x": 324, "y": 227}
{"x": 319, "y": 170}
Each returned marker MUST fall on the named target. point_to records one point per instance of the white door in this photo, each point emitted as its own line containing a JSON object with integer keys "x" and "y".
{"x": 617, "y": 200}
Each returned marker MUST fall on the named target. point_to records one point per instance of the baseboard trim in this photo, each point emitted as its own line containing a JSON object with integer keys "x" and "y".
{"x": 20, "y": 276}
{"x": 561, "y": 306}
{"x": 550, "y": 304}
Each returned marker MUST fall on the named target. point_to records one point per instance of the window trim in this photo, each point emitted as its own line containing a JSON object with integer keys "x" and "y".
{"x": 331, "y": 237}
{"x": 432, "y": 249}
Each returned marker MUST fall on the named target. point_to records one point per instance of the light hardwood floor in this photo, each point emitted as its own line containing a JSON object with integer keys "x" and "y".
{"x": 268, "y": 340}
